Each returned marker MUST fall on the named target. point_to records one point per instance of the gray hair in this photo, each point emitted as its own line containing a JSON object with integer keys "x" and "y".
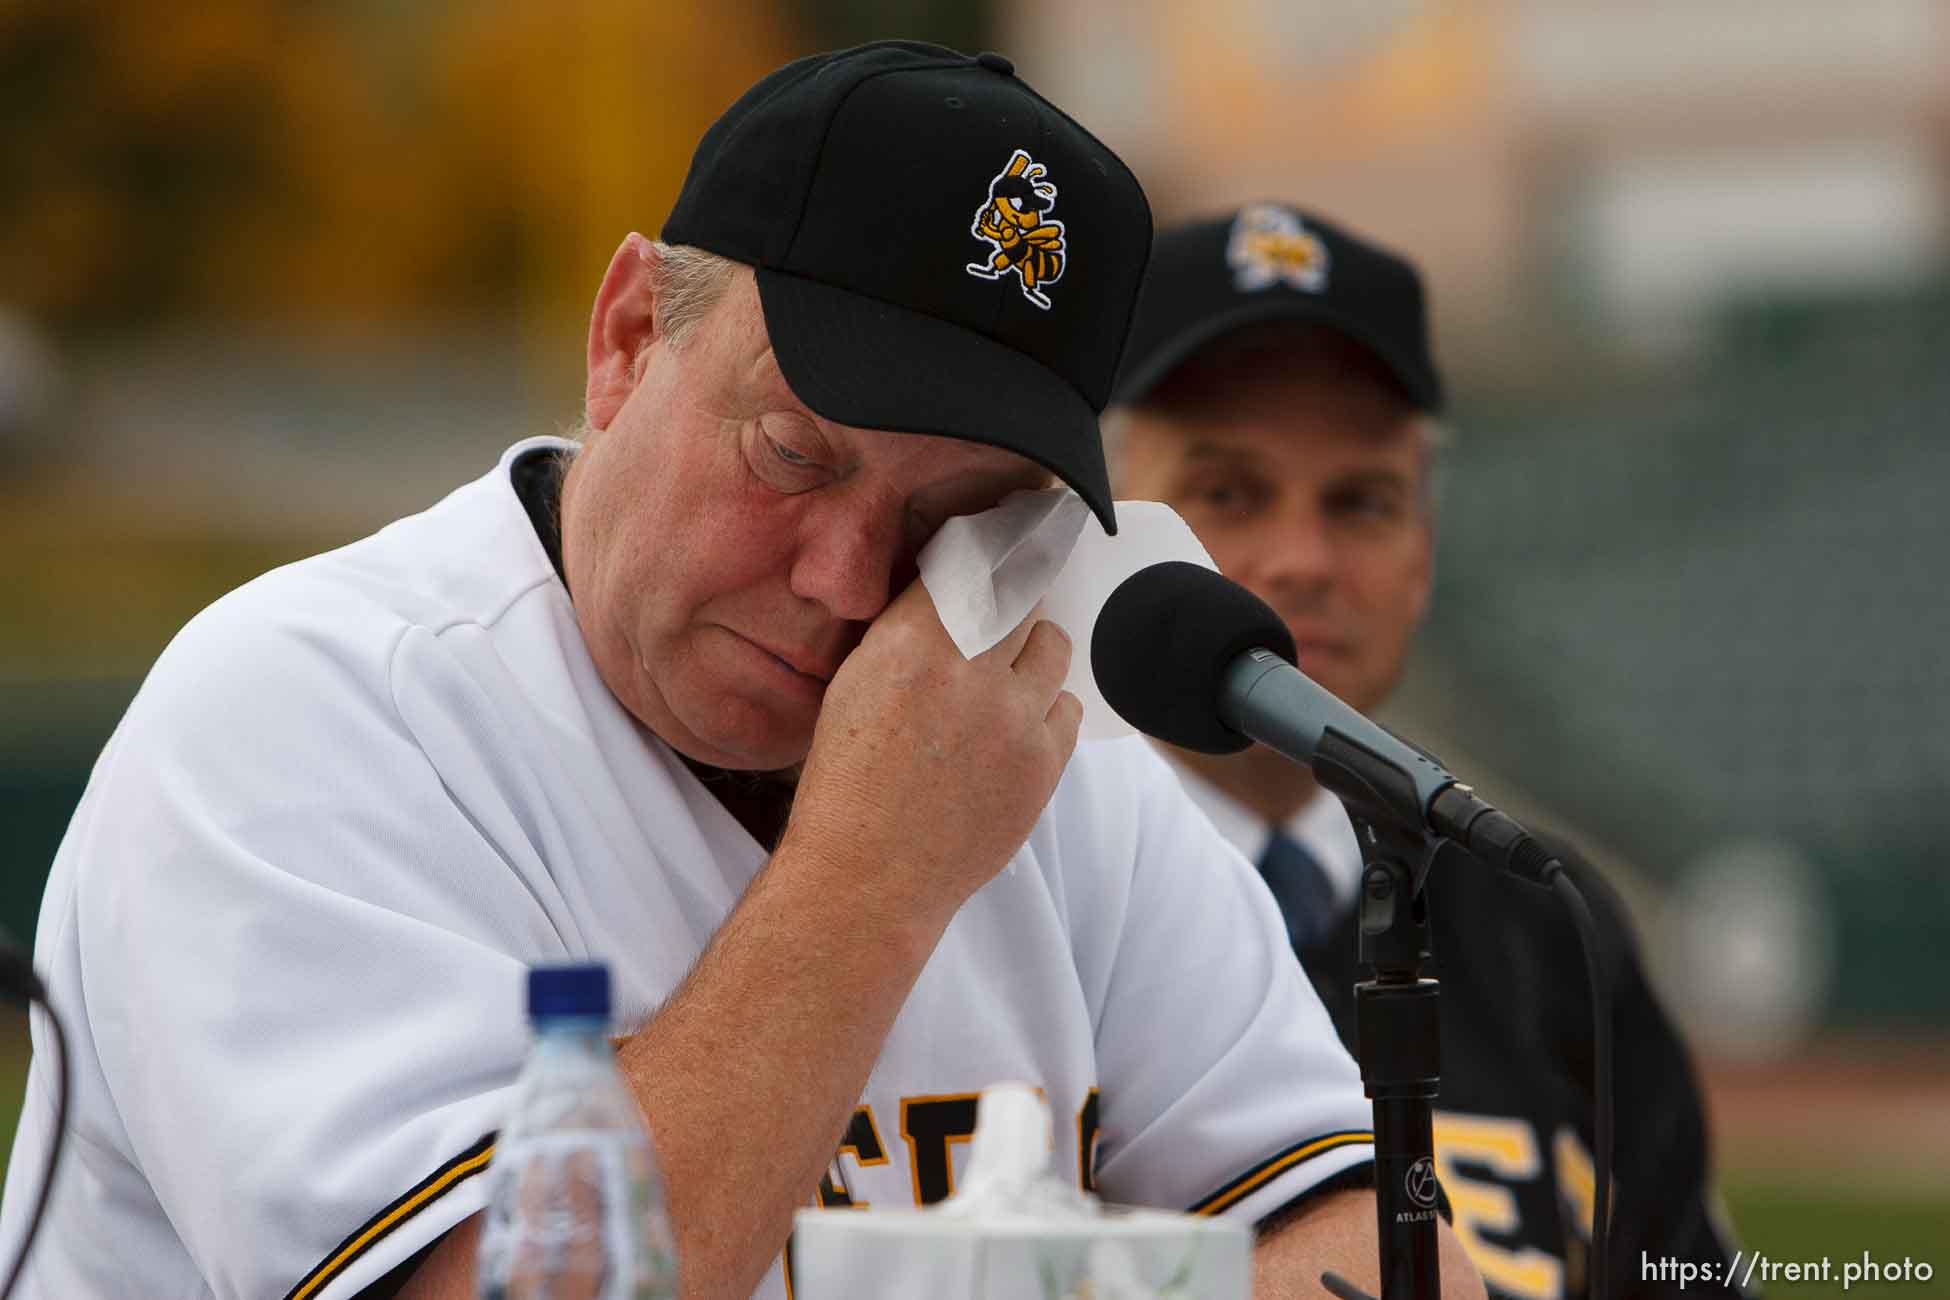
{"x": 688, "y": 283}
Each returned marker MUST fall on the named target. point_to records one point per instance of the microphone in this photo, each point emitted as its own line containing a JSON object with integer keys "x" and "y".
{"x": 1194, "y": 659}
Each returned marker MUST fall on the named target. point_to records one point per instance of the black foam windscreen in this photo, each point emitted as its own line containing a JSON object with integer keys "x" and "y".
{"x": 1163, "y": 644}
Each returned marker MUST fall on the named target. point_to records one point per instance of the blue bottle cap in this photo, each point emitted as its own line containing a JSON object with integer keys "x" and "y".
{"x": 574, "y": 989}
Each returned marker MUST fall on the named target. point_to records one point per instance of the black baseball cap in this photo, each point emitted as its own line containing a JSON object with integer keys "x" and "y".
{"x": 1273, "y": 261}
{"x": 939, "y": 249}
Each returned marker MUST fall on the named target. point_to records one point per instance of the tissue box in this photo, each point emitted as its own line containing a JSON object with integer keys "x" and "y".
{"x": 1118, "y": 1255}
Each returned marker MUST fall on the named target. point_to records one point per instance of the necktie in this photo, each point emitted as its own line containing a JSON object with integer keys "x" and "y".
{"x": 1300, "y": 888}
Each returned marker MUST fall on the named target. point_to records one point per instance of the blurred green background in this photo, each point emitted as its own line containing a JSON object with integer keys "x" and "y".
{"x": 272, "y": 273}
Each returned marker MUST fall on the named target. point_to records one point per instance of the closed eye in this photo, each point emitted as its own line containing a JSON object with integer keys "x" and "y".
{"x": 797, "y": 460}
{"x": 786, "y": 453}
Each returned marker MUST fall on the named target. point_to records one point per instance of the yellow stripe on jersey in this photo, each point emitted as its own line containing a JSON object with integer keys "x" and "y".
{"x": 1267, "y": 1170}
{"x": 437, "y": 1184}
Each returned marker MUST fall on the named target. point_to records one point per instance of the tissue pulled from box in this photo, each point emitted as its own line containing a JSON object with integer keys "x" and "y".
{"x": 1008, "y": 1162}
{"x": 1015, "y": 1230}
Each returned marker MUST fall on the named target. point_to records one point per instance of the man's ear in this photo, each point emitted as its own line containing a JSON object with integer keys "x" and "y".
{"x": 621, "y": 329}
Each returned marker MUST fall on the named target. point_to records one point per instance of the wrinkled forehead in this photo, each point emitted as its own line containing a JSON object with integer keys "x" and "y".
{"x": 1309, "y": 420}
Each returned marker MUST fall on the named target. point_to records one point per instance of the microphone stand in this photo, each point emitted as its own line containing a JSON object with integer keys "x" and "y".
{"x": 1405, "y": 808}
{"x": 1399, "y": 1045}
{"x": 1396, "y": 1016}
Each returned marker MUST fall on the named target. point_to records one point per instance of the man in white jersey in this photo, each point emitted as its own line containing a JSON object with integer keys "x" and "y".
{"x": 673, "y": 700}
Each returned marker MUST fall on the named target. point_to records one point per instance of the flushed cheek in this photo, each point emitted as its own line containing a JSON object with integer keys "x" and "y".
{"x": 750, "y": 557}
{"x": 749, "y": 574}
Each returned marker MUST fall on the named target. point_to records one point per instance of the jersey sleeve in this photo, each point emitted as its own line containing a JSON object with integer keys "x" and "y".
{"x": 302, "y": 957}
{"x": 1225, "y": 1089}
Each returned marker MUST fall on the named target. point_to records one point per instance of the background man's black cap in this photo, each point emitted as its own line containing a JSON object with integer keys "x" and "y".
{"x": 1272, "y": 261}
{"x": 857, "y": 184}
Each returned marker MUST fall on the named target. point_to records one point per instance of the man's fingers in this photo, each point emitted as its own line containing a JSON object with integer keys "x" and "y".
{"x": 1065, "y": 719}
{"x": 1009, "y": 648}
{"x": 915, "y": 608}
{"x": 1045, "y": 656}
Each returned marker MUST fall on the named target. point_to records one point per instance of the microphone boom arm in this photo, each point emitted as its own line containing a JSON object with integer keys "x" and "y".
{"x": 1387, "y": 781}
{"x": 1267, "y": 699}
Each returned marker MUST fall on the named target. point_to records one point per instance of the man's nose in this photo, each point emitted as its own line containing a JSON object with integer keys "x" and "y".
{"x": 850, "y": 554}
{"x": 1299, "y": 552}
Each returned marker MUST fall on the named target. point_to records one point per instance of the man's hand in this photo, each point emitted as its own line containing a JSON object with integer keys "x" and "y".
{"x": 929, "y": 767}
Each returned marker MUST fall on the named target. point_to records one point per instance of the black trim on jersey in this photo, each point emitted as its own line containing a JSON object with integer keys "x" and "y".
{"x": 388, "y": 1287}
{"x": 400, "y": 1211}
{"x": 1277, "y": 1165}
{"x": 537, "y": 479}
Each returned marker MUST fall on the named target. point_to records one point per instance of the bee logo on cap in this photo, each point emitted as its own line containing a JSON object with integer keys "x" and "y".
{"x": 1269, "y": 246}
{"x": 1015, "y": 223}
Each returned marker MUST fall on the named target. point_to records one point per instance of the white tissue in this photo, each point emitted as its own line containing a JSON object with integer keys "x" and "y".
{"x": 1016, "y": 1230}
{"x": 986, "y": 572}
{"x": 1008, "y": 1162}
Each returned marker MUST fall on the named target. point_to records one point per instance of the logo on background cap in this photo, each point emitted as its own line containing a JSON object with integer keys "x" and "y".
{"x": 1015, "y": 224}
{"x": 1270, "y": 246}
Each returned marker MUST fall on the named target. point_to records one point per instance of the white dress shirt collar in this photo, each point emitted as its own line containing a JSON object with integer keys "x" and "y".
{"x": 1321, "y": 827}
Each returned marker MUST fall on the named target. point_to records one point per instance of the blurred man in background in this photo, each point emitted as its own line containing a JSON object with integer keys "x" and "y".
{"x": 1279, "y": 392}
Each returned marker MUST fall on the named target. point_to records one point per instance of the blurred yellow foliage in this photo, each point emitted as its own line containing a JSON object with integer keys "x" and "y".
{"x": 331, "y": 165}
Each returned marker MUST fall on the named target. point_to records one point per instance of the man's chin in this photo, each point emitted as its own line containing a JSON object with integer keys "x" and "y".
{"x": 726, "y": 720}
{"x": 766, "y": 743}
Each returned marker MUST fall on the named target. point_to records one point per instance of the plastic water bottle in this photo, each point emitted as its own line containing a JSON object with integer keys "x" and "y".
{"x": 575, "y": 1202}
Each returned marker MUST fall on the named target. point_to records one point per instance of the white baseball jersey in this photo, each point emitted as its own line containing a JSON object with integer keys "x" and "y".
{"x": 358, "y": 796}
